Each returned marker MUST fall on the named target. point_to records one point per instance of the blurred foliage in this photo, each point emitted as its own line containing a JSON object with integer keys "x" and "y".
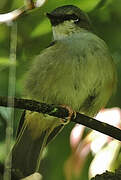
{"x": 109, "y": 175}
{"x": 34, "y": 34}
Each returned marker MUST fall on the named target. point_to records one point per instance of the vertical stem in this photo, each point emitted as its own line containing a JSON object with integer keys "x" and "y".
{"x": 11, "y": 92}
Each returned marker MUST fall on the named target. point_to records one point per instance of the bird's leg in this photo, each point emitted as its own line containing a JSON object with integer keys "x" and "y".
{"x": 72, "y": 113}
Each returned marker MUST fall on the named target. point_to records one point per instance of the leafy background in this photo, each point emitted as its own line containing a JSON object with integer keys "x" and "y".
{"x": 34, "y": 34}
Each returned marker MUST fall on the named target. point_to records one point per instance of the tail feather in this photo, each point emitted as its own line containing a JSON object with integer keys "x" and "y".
{"x": 27, "y": 152}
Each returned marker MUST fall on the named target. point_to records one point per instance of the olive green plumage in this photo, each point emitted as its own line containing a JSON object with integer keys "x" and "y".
{"x": 76, "y": 70}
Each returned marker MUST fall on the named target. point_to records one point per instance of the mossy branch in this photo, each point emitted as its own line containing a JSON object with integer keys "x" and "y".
{"x": 61, "y": 112}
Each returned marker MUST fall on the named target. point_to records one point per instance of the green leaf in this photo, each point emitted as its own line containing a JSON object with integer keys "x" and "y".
{"x": 4, "y": 112}
{"x": 42, "y": 28}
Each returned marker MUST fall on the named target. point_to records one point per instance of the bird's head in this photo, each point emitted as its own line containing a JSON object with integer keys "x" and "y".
{"x": 68, "y": 19}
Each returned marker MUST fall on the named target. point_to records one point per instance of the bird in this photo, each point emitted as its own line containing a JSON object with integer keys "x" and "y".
{"x": 75, "y": 70}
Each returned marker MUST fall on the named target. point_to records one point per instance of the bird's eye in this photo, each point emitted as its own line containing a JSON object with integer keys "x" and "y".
{"x": 69, "y": 17}
{"x": 75, "y": 18}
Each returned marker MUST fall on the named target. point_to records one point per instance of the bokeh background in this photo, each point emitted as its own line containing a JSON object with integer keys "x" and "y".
{"x": 34, "y": 34}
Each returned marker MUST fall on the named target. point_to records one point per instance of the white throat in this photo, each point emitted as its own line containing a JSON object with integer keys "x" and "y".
{"x": 65, "y": 29}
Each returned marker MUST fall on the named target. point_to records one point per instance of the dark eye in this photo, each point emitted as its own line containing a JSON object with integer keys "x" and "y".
{"x": 75, "y": 18}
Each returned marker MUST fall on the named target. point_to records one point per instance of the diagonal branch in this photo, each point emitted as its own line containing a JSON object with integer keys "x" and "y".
{"x": 60, "y": 112}
{"x": 13, "y": 15}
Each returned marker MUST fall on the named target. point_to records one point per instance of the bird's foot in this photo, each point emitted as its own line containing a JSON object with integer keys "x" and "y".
{"x": 72, "y": 113}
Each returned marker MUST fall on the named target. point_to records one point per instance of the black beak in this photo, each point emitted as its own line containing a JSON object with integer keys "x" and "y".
{"x": 55, "y": 19}
{"x": 50, "y": 16}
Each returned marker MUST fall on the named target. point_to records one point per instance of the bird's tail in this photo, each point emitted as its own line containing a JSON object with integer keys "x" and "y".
{"x": 27, "y": 151}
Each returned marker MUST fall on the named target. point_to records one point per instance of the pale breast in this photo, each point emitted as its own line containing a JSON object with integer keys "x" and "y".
{"x": 76, "y": 72}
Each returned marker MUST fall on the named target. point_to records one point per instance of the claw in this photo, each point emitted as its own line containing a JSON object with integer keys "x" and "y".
{"x": 72, "y": 113}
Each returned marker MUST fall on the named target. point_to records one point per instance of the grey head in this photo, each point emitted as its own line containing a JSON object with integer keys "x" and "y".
{"x": 68, "y": 13}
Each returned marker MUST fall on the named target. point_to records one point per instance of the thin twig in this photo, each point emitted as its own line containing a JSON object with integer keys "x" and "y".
{"x": 60, "y": 112}
{"x": 7, "y": 17}
{"x": 29, "y": 5}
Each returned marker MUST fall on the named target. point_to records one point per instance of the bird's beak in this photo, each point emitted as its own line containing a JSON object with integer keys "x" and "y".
{"x": 50, "y": 16}
{"x": 53, "y": 18}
